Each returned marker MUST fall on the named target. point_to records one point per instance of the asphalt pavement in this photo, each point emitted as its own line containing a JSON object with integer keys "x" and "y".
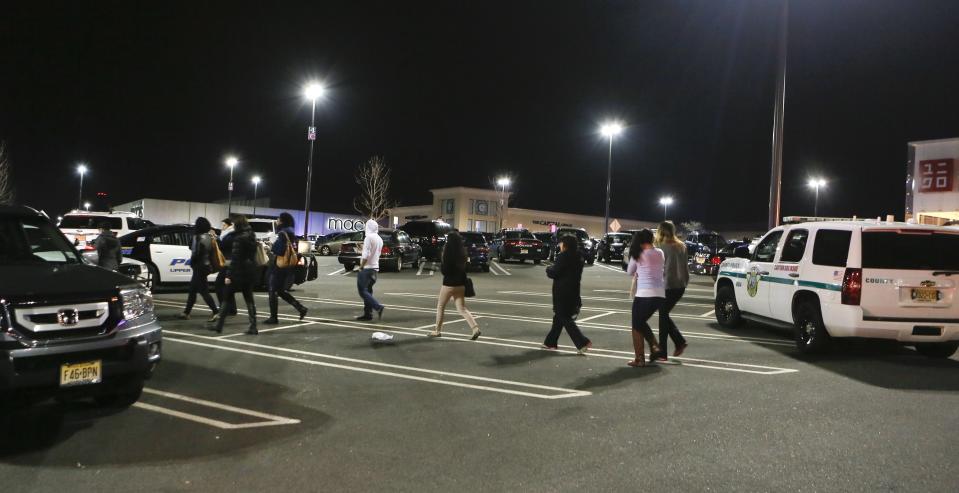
{"x": 315, "y": 405}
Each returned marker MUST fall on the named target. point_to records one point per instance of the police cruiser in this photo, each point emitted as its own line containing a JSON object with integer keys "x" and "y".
{"x": 870, "y": 279}
{"x": 165, "y": 252}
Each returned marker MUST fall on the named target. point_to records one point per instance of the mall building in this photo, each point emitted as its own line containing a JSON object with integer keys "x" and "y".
{"x": 486, "y": 210}
{"x": 931, "y": 194}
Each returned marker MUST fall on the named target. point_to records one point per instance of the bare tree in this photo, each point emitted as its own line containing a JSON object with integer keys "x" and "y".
{"x": 6, "y": 177}
{"x": 374, "y": 200}
{"x": 691, "y": 226}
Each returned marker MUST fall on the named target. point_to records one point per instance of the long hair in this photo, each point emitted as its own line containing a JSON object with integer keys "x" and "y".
{"x": 201, "y": 226}
{"x": 666, "y": 234}
{"x": 239, "y": 222}
{"x": 286, "y": 220}
{"x": 640, "y": 238}
{"x": 454, "y": 253}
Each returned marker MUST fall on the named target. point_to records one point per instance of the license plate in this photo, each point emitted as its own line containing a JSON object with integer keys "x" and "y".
{"x": 925, "y": 295}
{"x": 700, "y": 260}
{"x": 80, "y": 373}
{"x": 523, "y": 251}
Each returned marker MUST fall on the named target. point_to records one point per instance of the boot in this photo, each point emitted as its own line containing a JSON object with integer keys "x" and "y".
{"x": 251, "y": 310}
{"x": 287, "y": 297}
{"x": 218, "y": 328}
{"x": 274, "y": 308}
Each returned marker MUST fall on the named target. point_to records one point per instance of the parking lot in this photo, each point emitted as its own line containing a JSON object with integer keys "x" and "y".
{"x": 315, "y": 405}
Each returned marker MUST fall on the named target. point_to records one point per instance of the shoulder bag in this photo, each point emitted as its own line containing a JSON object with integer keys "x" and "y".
{"x": 217, "y": 260}
{"x": 289, "y": 258}
{"x": 470, "y": 290}
{"x": 262, "y": 257}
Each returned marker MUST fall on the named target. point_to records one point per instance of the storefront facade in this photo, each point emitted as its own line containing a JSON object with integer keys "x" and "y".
{"x": 932, "y": 196}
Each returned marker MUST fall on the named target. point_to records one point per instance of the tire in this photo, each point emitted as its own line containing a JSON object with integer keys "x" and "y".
{"x": 502, "y": 259}
{"x": 485, "y": 267}
{"x": 122, "y": 397}
{"x": 937, "y": 349}
{"x": 348, "y": 267}
{"x": 154, "y": 274}
{"x": 325, "y": 250}
{"x": 416, "y": 264}
{"x": 727, "y": 310}
{"x": 811, "y": 334}
{"x": 537, "y": 261}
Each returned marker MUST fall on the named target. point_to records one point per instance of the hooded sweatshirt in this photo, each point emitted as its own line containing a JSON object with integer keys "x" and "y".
{"x": 372, "y": 246}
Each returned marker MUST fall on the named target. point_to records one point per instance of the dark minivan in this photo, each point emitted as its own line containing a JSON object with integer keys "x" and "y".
{"x": 429, "y": 235}
{"x": 398, "y": 250}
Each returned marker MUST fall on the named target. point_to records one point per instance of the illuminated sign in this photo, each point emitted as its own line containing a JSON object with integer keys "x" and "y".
{"x": 339, "y": 224}
{"x": 936, "y": 175}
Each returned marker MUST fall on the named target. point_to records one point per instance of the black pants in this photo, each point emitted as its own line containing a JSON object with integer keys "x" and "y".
{"x": 198, "y": 284}
{"x": 230, "y": 306}
{"x": 565, "y": 321}
{"x": 220, "y": 287}
{"x": 278, "y": 283}
{"x": 643, "y": 309}
{"x": 667, "y": 328}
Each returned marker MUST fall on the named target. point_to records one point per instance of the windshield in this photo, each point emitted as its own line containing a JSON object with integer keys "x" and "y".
{"x": 473, "y": 238}
{"x": 580, "y": 234}
{"x": 25, "y": 241}
{"x": 711, "y": 239}
{"x": 619, "y": 238}
{"x": 924, "y": 250}
{"x": 512, "y": 235}
{"x": 90, "y": 222}
{"x": 261, "y": 226}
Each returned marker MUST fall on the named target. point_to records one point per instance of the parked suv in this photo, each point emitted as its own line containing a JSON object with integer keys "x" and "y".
{"x": 68, "y": 329}
{"x": 705, "y": 241}
{"x": 828, "y": 279}
{"x": 477, "y": 250}
{"x": 81, "y": 228}
{"x": 429, "y": 235}
{"x": 398, "y": 250}
{"x": 612, "y": 246}
{"x": 586, "y": 248}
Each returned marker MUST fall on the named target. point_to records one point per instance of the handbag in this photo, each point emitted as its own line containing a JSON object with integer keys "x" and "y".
{"x": 470, "y": 290}
{"x": 300, "y": 273}
{"x": 217, "y": 260}
{"x": 312, "y": 273}
{"x": 289, "y": 258}
{"x": 262, "y": 257}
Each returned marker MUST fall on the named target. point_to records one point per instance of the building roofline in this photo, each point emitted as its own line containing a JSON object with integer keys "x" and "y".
{"x": 934, "y": 141}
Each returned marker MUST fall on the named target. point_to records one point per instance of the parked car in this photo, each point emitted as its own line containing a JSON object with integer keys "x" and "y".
{"x": 612, "y": 246}
{"x": 704, "y": 241}
{"x": 82, "y": 228}
{"x": 332, "y": 244}
{"x": 477, "y": 250}
{"x": 547, "y": 238}
{"x": 398, "y": 251}
{"x": 519, "y": 244}
{"x": 429, "y": 235}
{"x": 586, "y": 248}
{"x": 264, "y": 228}
{"x": 707, "y": 264}
{"x": 68, "y": 329}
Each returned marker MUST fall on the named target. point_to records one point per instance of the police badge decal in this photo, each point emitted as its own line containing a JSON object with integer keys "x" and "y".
{"x": 752, "y": 282}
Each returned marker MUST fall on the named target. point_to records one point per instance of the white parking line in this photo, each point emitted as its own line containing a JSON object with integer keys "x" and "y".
{"x": 624, "y": 299}
{"x": 419, "y": 271}
{"x": 607, "y": 267}
{"x": 338, "y": 271}
{"x": 270, "y": 420}
{"x": 709, "y": 313}
{"x": 502, "y": 269}
{"x": 581, "y": 320}
{"x": 261, "y": 331}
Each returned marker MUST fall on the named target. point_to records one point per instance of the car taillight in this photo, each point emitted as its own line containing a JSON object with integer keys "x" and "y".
{"x": 433, "y": 240}
{"x": 483, "y": 250}
{"x": 511, "y": 242}
{"x": 386, "y": 251}
{"x": 852, "y": 287}
{"x": 716, "y": 260}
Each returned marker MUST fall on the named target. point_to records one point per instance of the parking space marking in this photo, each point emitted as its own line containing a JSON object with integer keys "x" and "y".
{"x": 446, "y": 322}
{"x": 338, "y": 271}
{"x": 705, "y": 290}
{"x": 502, "y": 269}
{"x": 261, "y": 331}
{"x": 624, "y": 299}
{"x": 709, "y": 313}
{"x": 581, "y": 320}
{"x": 559, "y": 392}
{"x": 419, "y": 271}
{"x": 619, "y": 271}
{"x": 269, "y": 419}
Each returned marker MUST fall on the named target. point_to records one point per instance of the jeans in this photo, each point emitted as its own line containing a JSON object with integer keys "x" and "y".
{"x": 365, "y": 280}
{"x": 198, "y": 284}
{"x": 666, "y": 325}
{"x": 643, "y": 309}
{"x": 559, "y": 323}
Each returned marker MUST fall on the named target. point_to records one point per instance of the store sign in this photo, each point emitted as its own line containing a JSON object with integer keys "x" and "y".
{"x": 311, "y": 133}
{"x": 340, "y": 224}
{"x": 936, "y": 175}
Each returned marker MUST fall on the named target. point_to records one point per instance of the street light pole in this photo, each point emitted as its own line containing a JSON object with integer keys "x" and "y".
{"x": 231, "y": 163}
{"x": 609, "y": 130}
{"x": 312, "y": 91}
{"x": 82, "y": 169}
{"x": 256, "y": 184}
{"x": 779, "y": 108}
{"x": 503, "y": 183}
{"x": 666, "y": 202}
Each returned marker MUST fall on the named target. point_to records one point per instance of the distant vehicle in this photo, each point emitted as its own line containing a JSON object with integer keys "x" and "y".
{"x": 489, "y": 237}
{"x": 330, "y": 245}
{"x": 586, "y": 248}
{"x": 264, "y": 229}
{"x": 519, "y": 244}
{"x": 68, "y": 329}
{"x": 132, "y": 268}
{"x": 398, "y": 250}
{"x": 547, "y": 238}
{"x": 82, "y": 228}
{"x": 429, "y": 235}
{"x": 832, "y": 279}
{"x": 704, "y": 241}
{"x": 477, "y": 250}
{"x": 707, "y": 264}
{"x": 612, "y": 246}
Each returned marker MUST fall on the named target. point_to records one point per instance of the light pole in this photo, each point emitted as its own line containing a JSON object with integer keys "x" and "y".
{"x": 312, "y": 91}
{"x": 609, "y": 130}
{"x": 503, "y": 183}
{"x": 256, "y": 184}
{"x": 666, "y": 202}
{"x": 231, "y": 162}
{"x": 816, "y": 183}
{"x": 86, "y": 205}
{"x": 82, "y": 170}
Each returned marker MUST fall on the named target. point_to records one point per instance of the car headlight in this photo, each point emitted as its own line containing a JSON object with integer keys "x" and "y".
{"x": 137, "y": 302}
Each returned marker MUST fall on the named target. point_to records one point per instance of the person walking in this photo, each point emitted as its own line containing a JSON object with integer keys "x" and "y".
{"x": 453, "y": 268}
{"x": 369, "y": 266}
{"x": 201, "y": 263}
{"x": 280, "y": 280}
{"x": 566, "y": 273}
{"x": 676, "y": 275}
{"x": 646, "y": 270}
{"x": 226, "y": 248}
{"x": 241, "y": 274}
{"x": 109, "y": 253}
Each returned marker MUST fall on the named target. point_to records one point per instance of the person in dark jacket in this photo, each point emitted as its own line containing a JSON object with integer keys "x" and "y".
{"x": 241, "y": 274}
{"x": 201, "y": 263}
{"x": 109, "y": 253}
{"x": 280, "y": 280}
{"x": 226, "y": 248}
{"x": 453, "y": 267}
{"x": 566, "y": 273}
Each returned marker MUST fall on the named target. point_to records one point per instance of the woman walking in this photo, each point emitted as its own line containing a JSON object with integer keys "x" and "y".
{"x": 566, "y": 273}
{"x": 646, "y": 269}
{"x": 241, "y": 274}
{"x": 280, "y": 280}
{"x": 453, "y": 268}
{"x": 201, "y": 263}
{"x": 676, "y": 278}
{"x": 226, "y": 248}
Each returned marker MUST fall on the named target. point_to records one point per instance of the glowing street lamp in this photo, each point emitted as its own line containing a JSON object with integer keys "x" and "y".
{"x": 312, "y": 91}
{"x": 86, "y": 205}
{"x": 666, "y": 202}
{"x": 81, "y": 170}
{"x": 609, "y": 130}
{"x": 503, "y": 183}
{"x": 231, "y": 162}
{"x": 256, "y": 184}
{"x": 816, "y": 183}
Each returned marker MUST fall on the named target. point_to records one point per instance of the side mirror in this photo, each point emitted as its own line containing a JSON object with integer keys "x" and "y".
{"x": 741, "y": 252}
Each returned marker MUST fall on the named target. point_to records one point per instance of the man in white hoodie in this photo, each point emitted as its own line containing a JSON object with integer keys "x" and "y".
{"x": 369, "y": 266}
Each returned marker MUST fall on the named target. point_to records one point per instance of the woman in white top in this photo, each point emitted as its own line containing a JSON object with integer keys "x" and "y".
{"x": 646, "y": 269}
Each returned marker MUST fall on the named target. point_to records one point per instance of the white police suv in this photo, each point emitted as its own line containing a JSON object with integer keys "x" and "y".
{"x": 870, "y": 279}
{"x": 165, "y": 250}
{"x": 81, "y": 228}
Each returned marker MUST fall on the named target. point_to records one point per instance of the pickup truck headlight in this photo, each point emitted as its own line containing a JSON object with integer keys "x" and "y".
{"x": 137, "y": 302}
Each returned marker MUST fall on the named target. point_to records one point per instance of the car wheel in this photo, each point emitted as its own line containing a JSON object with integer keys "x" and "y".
{"x": 416, "y": 264}
{"x": 154, "y": 281}
{"x": 124, "y": 396}
{"x": 485, "y": 267}
{"x": 591, "y": 261}
{"x": 811, "y": 334}
{"x": 502, "y": 259}
{"x": 937, "y": 349}
{"x": 348, "y": 267}
{"x": 727, "y": 310}
{"x": 325, "y": 250}
{"x": 537, "y": 261}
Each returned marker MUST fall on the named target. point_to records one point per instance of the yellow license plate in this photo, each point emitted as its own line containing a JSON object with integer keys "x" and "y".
{"x": 700, "y": 260}
{"x": 523, "y": 251}
{"x": 925, "y": 295}
{"x": 81, "y": 373}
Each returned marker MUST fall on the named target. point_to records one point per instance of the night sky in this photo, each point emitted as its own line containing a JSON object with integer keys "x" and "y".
{"x": 154, "y": 96}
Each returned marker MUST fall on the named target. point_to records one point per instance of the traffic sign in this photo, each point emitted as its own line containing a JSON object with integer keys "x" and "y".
{"x": 614, "y": 226}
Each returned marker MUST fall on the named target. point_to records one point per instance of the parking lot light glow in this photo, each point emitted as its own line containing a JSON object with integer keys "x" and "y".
{"x": 314, "y": 91}
{"x": 81, "y": 170}
{"x": 666, "y": 202}
{"x": 86, "y": 205}
{"x": 816, "y": 184}
{"x": 609, "y": 130}
{"x": 503, "y": 182}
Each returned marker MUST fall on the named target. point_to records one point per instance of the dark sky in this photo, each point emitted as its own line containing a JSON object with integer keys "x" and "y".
{"x": 154, "y": 95}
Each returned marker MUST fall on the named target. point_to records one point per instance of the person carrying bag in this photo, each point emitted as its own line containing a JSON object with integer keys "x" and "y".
{"x": 281, "y": 275}
{"x": 456, "y": 285}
